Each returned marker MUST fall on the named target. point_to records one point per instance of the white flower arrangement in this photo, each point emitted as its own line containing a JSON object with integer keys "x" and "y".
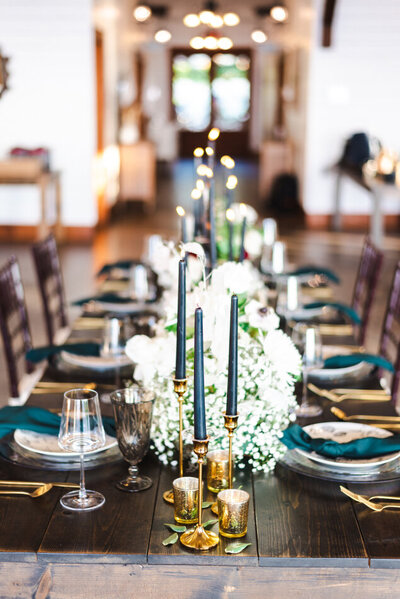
{"x": 268, "y": 367}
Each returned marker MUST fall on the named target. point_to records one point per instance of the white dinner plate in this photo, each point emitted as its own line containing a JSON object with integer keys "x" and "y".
{"x": 347, "y": 373}
{"x": 344, "y": 432}
{"x": 95, "y": 362}
{"x": 48, "y": 444}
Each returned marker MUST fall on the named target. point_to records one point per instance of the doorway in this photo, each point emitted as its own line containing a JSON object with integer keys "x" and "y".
{"x": 212, "y": 90}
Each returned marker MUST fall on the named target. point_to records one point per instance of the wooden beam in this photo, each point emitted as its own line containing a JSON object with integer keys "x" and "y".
{"x": 327, "y": 21}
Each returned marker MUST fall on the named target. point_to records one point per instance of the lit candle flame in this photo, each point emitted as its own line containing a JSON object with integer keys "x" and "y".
{"x": 200, "y": 184}
{"x": 227, "y": 162}
{"x": 230, "y": 215}
{"x": 213, "y": 134}
{"x": 202, "y": 170}
{"x": 195, "y": 194}
{"x": 231, "y": 182}
{"x": 209, "y": 151}
{"x": 180, "y": 211}
{"x": 198, "y": 152}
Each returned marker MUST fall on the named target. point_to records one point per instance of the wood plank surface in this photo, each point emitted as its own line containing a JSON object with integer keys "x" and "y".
{"x": 177, "y": 553}
{"x": 118, "y": 532}
{"x": 303, "y": 521}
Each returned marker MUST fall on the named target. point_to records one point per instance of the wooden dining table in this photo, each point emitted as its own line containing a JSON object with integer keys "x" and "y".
{"x": 307, "y": 538}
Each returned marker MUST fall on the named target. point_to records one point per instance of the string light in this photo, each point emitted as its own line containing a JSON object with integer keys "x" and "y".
{"x": 191, "y": 20}
{"x": 162, "y": 36}
{"x": 230, "y": 215}
{"x": 209, "y": 151}
{"x": 198, "y": 152}
{"x": 231, "y": 19}
{"x": 231, "y": 183}
{"x": 258, "y": 36}
{"x": 202, "y": 170}
{"x": 279, "y": 13}
{"x": 213, "y": 134}
{"x": 180, "y": 211}
{"x": 200, "y": 184}
{"x": 195, "y": 194}
{"x": 227, "y": 162}
{"x": 142, "y": 13}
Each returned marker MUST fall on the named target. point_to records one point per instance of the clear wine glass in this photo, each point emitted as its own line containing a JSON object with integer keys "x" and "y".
{"x": 133, "y": 409}
{"x": 81, "y": 430}
{"x": 307, "y": 338}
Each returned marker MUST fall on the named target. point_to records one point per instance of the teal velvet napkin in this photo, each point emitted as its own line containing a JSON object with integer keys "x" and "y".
{"x": 104, "y": 297}
{"x": 39, "y": 420}
{"x": 352, "y": 359}
{"x": 88, "y": 348}
{"x": 350, "y": 312}
{"x": 316, "y": 270}
{"x": 124, "y": 264}
{"x": 368, "y": 447}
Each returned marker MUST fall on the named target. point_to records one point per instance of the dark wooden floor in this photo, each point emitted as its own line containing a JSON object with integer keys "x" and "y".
{"x": 125, "y": 236}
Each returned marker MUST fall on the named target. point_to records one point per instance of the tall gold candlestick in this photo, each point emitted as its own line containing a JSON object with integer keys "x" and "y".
{"x": 180, "y": 388}
{"x": 199, "y": 537}
{"x": 230, "y": 424}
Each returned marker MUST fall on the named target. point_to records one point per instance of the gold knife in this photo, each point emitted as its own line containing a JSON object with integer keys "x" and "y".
{"x": 28, "y": 483}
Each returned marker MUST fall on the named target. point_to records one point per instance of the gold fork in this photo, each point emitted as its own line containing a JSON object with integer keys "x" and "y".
{"x": 328, "y": 394}
{"x": 385, "y": 422}
{"x": 29, "y": 483}
{"x": 376, "y": 507}
{"x": 36, "y": 493}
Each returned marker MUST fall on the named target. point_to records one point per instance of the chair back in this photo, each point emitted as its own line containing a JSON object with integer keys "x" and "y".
{"x": 389, "y": 346}
{"x": 365, "y": 285}
{"x": 14, "y": 324}
{"x": 48, "y": 272}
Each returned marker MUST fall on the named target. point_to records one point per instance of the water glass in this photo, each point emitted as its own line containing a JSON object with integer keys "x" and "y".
{"x": 81, "y": 430}
{"x": 186, "y": 499}
{"x": 139, "y": 282}
{"x": 278, "y": 257}
{"x": 270, "y": 231}
{"x": 233, "y": 512}
{"x": 115, "y": 334}
{"x": 133, "y": 409}
{"x": 307, "y": 338}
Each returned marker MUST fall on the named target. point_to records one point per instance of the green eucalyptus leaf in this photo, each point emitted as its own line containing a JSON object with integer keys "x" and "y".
{"x": 175, "y": 527}
{"x": 171, "y": 539}
{"x": 206, "y": 504}
{"x": 209, "y": 523}
{"x": 236, "y": 547}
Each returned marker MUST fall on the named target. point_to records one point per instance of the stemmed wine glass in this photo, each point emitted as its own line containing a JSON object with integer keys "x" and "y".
{"x": 307, "y": 338}
{"x": 133, "y": 409}
{"x": 81, "y": 430}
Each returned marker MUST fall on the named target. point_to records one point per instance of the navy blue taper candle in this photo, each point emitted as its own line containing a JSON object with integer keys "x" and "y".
{"x": 241, "y": 255}
{"x": 180, "y": 365}
{"x": 231, "y": 396}
{"x": 213, "y": 242}
{"x": 199, "y": 404}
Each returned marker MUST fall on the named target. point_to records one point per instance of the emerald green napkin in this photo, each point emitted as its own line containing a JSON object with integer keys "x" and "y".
{"x": 37, "y": 419}
{"x": 350, "y": 312}
{"x": 352, "y": 359}
{"x": 87, "y": 348}
{"x": 124, "y": 264}
{"x": 104, "y": 297}
{"x": 368, "y": 447}
{"x": 316, "y": 270}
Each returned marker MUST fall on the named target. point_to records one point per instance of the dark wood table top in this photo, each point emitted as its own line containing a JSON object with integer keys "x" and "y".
{"x": 293, "y": 520}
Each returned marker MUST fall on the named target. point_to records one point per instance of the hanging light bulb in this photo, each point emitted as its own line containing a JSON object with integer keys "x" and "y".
{"x": 195, "y": 194}
{"x": 198, "y": 152}
{"x": 142, "y": 12}
{"x": 227, "y": 162}
{"x": 258, "y": 36}
{"x": 210, "y": 42}
{"x": 279, "y": 13}
{"x": 206, "y": 17}
{"x": 231, "y": 183}
{"x": 191, "y": 20}
{"x": 216, "y": 21}
{"x": 231, "y": 19}
{"x": 197, "y": 43}
{"x": 225, "y": 43}
{"x": 162, "y": 36}
{"x": 213, "y": 134}
{"x": 209, "y": 151}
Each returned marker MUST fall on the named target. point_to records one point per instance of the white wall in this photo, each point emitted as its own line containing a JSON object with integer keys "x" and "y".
{"x": 51, "y": 101}
{"x": 354, "y": 86}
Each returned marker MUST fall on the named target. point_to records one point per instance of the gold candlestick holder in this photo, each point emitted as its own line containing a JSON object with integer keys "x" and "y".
{"x": 230, "y": 424}
{"x": 180, "y": 388}
{"x": 199, "y": 537}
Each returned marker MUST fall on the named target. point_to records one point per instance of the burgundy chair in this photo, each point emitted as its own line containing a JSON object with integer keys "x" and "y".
{"x": 365, "y": 285}
{"x": 389, "y": 346}
{"x": 14, "y": 324}
{"x": 48, "y": 271}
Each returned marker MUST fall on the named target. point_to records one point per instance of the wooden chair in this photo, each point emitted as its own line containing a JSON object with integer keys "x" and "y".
{"x": 365, "y": 285}
{"x": 48, "y": 271}
{"x": 14, "y": 327}
{"x": 389, "y": 346}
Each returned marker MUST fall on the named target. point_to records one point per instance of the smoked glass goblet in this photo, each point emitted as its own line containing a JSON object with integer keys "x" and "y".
{"x": 133, "y": 409}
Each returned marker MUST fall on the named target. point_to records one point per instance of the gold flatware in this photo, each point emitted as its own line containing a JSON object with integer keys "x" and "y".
{"x": 342, "y": 330}
{"x": 29, "y": 483}
{"x": 59, "y": 388}
{"x": 335, "y": 397}
{"x": 343, "y": 391}
{"x": 36, "y": 493}
{"x": 374, "y": 421}
{"x": 376, "y": 507}
{"x": 343, "y": 416}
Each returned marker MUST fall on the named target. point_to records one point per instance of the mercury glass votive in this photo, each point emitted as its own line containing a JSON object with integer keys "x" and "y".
{"x": 233, "y": 511}
{"x": 218, "y": 470}
{"x": 186, "y": 499}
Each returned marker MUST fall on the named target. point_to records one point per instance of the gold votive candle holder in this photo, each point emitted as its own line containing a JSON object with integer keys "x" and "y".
{"x": 186, "y": 499}
{"x": 218, "y": 470}
{"x": 233, "y": 512}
